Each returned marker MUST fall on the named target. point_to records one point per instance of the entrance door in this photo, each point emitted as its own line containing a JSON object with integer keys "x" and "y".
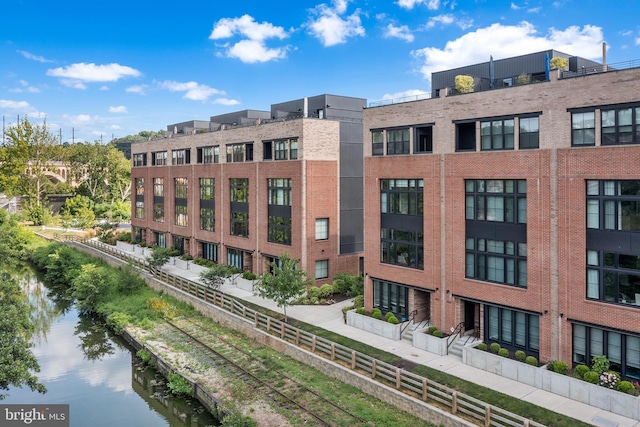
{"x": 469, "y": 315}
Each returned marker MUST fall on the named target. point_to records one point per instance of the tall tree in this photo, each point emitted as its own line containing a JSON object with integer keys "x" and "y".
{"x": 17, "y": 361}
{"x": 26, "y": 156}
{"x": 284, "y": 283}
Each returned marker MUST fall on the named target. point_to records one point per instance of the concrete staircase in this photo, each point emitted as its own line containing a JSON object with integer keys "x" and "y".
{"x": 457, "y": 345}
{"x": 407, "y": 335}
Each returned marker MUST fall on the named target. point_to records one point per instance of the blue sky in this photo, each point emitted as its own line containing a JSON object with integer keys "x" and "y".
{"x": 95, "y": 71}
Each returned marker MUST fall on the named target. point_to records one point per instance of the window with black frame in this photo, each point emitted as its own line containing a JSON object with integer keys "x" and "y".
{"x": 512, "y": 329}
{"x": 496, "y": 231}
{"x": 239, "y": 188}
{"x": 621, "y": 126}
{"x": 207, "y": 204}
{"x": 402, "y": 228}
{"x": 391, "y": 297}
{"x": 279, "y": 210}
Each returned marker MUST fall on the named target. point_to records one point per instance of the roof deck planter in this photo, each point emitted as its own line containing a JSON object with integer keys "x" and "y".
{"x": 375, "y": 326}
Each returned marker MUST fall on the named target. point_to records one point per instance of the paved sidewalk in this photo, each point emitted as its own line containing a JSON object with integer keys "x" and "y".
{"x": 330, "y": 317}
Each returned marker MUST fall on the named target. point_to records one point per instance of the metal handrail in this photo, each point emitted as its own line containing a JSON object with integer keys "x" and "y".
{"x": 456, "y": 331}
{"x": 412, "y": 316}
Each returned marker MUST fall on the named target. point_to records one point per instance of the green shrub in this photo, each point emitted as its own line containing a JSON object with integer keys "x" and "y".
{"x": 179, "y": 386}
{"x": 494, "y": 347}
{"x": 348, "y": 284}
{"x": 503, "y": 352}
{"x": 144, "y": 355}
{"x": 591, "y": 377}
{"x": 392, "y": 319}
{"x": 625, "y": 386}
{"x": 326, "y": 290}
{"x": 464, "y": 84}
{"x": 600, "y": 364}
{"x": 389, "y": 314}
{"x": 118, "y": 321}
{"x": 580, "y": 370}
{"x": 142, "y": 244}
{"x": 560, "y": 367}
{"x": 431, "y": 329}
{"x": 530, "y": 360}
{"x": 313, "y": 292}
{"x": 376, "y": 313}
{"x": 358, "y": 301}
{"x": 247, "y": 275}
{"x": 361, "y": 310}
{"x": 438, "y": 334}
{"x": 482, "y": 346}
{"x": 186, "y": 257}
{"x": 550, "y": 365}
{"x": 520, "y": 355}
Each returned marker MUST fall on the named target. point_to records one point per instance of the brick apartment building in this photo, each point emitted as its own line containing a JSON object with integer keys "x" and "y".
{"x": 514, "y": 210}
{"x": 246, "y": 187}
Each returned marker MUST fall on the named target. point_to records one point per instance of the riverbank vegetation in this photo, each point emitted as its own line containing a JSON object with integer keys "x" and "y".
{"x": 120, "y": 296}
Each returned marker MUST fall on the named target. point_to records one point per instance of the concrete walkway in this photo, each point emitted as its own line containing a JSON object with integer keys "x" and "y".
{"x": 330, "y": 317}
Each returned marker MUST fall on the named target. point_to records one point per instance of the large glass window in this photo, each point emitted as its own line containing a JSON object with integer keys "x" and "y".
{"x": 279, "y": 218}
{"x": 393, "y": 297}
{"x": 239, "y": 190}
{"x": 239, "y": 225}
{"x": 139, "y": 198}
{"x": 513, "y": 329}
{"x": 208, "y": 154}
{"x": 181, "y": 193}
{"x": 613, "y": 277}
{"x": 181, "y": 216}
{"x": 496, "y": 261}
{"x": 613, "y": 205}
{"x": 139, "y": 159}
{"x": 235, "y": 153}
{"x": 403, "y": 248}
{"x": 209, "y": 251}
{"x": 207, "y": 205}
{"x": 158, "y": 199}
{"x": 181, "y": 157}
{"x": 496, "y": 200}
{"x": 181, "y": 188}
{"x": 621, "y": 126}
{"x": 402, "y": 196}
{"x": 497, "y": 134}
{"x": 529, "y": 133}
{"x": 583, "y": 128}
{"x": 398, "y": 141}
{"x": 159, "y": 158}
{"x": 622, "y": 349}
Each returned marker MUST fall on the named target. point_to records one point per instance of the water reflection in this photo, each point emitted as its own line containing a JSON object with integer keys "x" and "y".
{"x": 97, "y": 374}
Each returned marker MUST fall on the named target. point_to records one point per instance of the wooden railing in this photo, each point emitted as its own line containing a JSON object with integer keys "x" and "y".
{"x": 392, "y": 376}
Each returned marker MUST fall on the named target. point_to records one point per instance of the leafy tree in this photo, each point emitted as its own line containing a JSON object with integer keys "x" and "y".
{"x": 216, "y": 275}
{"x": 16, "y": 240}
{"x": 284, "y": 284}
{"x": 559, "y": 62}
{"x": 78, "y": 211}
{"x": 28, "y": 151}
{"x": 159, "y": 256}
{"x": 17, "y": 361}
{"x": 90, "y": 284}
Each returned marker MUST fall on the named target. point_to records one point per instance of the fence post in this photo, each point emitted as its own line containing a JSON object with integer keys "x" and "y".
{"x": 487, "y": 416}
{"x": 298, "y": 337}
{"x": 454, "y": 402}
{"x": 268, "y": 323}
{"x": 255, "y": 318}
{"x": 526, "y": 423}
{"x": 425, "y": 394}
{"x": 398, "y": 374}
{"x": 282, "y": 331}
{"x": 353, "y": 359}
{"x": 313, "y": 344}
{"x": 374, "y": 368}
{"x": 333, "y": 351}
{"x": 244, "y": 311}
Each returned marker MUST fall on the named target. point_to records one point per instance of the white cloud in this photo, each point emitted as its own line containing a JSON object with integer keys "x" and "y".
{"x": 194, "y": 91}
{"x": 118, "y": 109}
{"x": 638, "y": 41}
{"x": 252, "y": 48}
{"x": 115, "y": 127}
{"x": 17, "y": 106}
{"x": 515, "y": 6}
{"x": 402, "y": 32}
{"x": 75, "y": 75}
{"x": 226, "y": 101}
{"x": 79, "y": 119}
{"x": 410, "y": 4}
{"x": 25, "y": 87}
{"x": 448, "y": 19}
{"x": 503, "y": 41}
{"x": 33, "y": 57}
{"x": 331, "y": 28}
{"x": 411, "y": 93}
{"x": 534, "y": 9}
{"x": 105, "y": 87}
{"x": 139, "y": 89}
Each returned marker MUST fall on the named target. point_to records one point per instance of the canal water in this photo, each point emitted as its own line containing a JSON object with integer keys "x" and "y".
{"x": 98, "y": 375}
